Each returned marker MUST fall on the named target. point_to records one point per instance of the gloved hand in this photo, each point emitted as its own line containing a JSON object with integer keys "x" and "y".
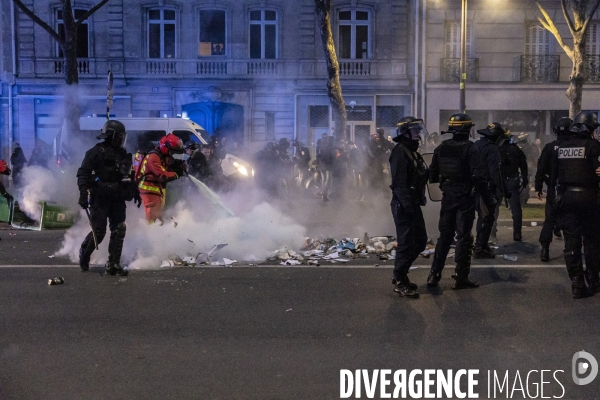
{"x": 525, "y": 183}
{"x": 508, "y": 195}
{"x": 83, "y": 200}
{"x": 137, "y": 200}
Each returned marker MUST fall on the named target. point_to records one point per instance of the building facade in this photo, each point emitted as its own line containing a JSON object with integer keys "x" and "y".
{"x": 517, "y": 74}
{"x": 250, "y": 70}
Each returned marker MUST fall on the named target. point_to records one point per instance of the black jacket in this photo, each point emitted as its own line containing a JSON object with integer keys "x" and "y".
{"x": 491, "y": 161}
{"x": 544, "y": 164}
{"x": 409, "y": 174}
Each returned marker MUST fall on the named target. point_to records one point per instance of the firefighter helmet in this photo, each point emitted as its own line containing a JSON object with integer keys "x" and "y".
{"x": 4, "y": 170}
{"x": 172, "y": 143}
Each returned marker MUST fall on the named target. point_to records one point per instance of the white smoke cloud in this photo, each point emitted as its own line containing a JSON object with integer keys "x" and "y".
{"x": 187, "y": 231}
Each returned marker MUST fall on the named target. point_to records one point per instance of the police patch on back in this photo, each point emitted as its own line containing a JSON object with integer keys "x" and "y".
{"x": 571, "y": 152}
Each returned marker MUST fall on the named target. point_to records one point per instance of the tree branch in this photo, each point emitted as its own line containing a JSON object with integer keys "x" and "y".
{"x": 549, "y": 25}
{"x": 589, "y": 18}
{"x": 567, "y": 17}
{"x": 90, "y": 12}
{"x": 38, "y": 21}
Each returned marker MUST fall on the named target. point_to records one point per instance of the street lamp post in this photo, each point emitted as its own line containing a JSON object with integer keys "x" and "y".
{"x": 463, "y": 57}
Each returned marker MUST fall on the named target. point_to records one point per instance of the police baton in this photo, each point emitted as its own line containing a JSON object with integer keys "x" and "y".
{"x": 87, "y": 212}
{"x": 93, "y": 233}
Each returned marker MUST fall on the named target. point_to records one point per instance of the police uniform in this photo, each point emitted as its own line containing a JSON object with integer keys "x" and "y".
{"x": 105, "y": 184}
{"x": 456, "y": 165}
{"x": 491, "y": 160}
{"x": 542, "y": 176}
{"x": 513, "y": 166}
{"x": 574, "y": 168}
{"x": 409, "y": 177}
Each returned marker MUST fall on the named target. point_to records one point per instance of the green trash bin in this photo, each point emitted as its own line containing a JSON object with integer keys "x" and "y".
{"x": 55, "y": 216}
{"x": 4, "y": 210}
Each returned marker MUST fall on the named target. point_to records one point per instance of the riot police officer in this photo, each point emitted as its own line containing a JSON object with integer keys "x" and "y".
{"x": 457, "y": 167}
{"x": 105, "y": 184}
{"x": 513, "y": 168}
{"x": 542, "y": 176}
{"x": 490, "y": 156}
{"x": 574, "y": 171}
{"x": 409, "y": 176}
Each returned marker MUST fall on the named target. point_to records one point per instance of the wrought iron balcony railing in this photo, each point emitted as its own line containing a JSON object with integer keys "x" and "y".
{"x": 592, "y": 68}
{"x": 450, "y": 70}
{"x": 543, "y": 68}
{"x": 224, "y": 68}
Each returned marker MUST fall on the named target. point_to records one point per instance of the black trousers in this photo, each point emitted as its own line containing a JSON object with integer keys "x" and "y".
{"x": 513, "y": 186}
{"x": 484, "y": 227}
{"x": 411, "y": 236}
{"x": 550, "y": 219}
{"x": 105, "y": 208}
{"x": 457, "y": 215}
{"x": 579, "y": 219}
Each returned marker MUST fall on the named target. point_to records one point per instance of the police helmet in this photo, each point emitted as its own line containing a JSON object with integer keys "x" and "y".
{"x": 284, "y": 143}
{"x": 191, "y": 145}
{"x": 493, "y": 130}
{"x": 585, "y": 121}
{"x": 410, "y": 127}
{"x": 113, "y": 132}
{"x": 562, "y": 126}
{"x": 460, "y": 123}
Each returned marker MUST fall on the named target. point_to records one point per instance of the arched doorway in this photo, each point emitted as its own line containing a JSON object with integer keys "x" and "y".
{"x": 218, "y": 118}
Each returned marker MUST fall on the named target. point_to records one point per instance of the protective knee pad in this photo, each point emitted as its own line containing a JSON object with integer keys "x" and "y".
{"x": 120, "y": 230}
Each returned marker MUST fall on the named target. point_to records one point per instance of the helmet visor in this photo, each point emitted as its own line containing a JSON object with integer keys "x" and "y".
{"x": 118, "y": 139}
{"x": 417, "y": 131}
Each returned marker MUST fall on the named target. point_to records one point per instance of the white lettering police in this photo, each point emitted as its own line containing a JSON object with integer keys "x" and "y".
{"x": 571, "y": 152}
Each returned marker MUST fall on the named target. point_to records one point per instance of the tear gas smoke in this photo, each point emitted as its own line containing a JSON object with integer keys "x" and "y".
{"x": 250, "y": 236}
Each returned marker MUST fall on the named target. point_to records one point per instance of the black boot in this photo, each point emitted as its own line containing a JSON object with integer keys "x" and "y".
{"x": 115, "y": 269}
{"x": 484, "y": 252}
{"x": 403, "y": 289}
{"x": 464, "y": 283}
{"x": 433, "y": 278}
{"x": 407, "y": 282}
{"x": 578, "y": 287}
{"x": 545, "y": 253}
{"x": 517, "y": 236}
{"x": 85, "y": 253}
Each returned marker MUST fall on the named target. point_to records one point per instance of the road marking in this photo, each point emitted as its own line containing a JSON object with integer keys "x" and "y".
{"x": 322, "y": 266}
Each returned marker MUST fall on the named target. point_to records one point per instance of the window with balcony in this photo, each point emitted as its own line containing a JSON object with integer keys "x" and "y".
{"x": 452, "y": 39}
{"x": 539, "y": 63}
{"x": 162, "y": 33}
{"x": 83, "y": 38}
{"x": 450, "y": 68}
{"x": 263, "y": 34}
{"x": 212, "y": 33}
{"x": 354, "y": 34}
{"x": 592, "y": 58}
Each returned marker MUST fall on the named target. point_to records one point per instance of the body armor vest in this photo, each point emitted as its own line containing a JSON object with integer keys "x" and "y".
{"x": 509, "y": 156}
{"x": 418, "y": 174}
{"x": 111, "y": 164}
{"x": 573, "y": 165}
{"x": 452, "y": 161}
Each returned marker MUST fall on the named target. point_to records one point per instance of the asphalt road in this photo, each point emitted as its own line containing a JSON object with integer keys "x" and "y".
{"x": 274, "y": 332}
{"x": 277, "y": 333}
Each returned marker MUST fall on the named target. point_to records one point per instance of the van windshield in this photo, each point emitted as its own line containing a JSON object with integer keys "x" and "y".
{"x": 203, "y": 134}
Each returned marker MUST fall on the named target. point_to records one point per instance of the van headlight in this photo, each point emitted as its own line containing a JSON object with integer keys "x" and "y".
{"x": 242, "y": 170}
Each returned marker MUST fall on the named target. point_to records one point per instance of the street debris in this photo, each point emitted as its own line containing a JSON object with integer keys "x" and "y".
{"x": 56, "y": 281}
{"x": 510, "y": 258}
{"x": 52, "y": 256}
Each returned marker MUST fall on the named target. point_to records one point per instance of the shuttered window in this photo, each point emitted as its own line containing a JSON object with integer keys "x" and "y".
{"x": 452, "y": 39}
{"x": 538, "y": 41}
{"x": 592, "y": 44}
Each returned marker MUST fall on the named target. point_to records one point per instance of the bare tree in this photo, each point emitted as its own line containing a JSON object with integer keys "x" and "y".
{"x": 578, "y": 14}
{"x": 68, "y": 45}
{"x": 334, "y": 88}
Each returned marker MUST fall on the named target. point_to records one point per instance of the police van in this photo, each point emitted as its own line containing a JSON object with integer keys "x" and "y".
{"x": 143, "y": 135}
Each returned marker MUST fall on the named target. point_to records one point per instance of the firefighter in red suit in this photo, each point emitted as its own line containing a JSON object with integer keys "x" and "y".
{"x": 158, "y": 168}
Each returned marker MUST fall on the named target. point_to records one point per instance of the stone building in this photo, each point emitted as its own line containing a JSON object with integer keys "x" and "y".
{"x": 517, "y": 74}
{"x": 248, "y": 69}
